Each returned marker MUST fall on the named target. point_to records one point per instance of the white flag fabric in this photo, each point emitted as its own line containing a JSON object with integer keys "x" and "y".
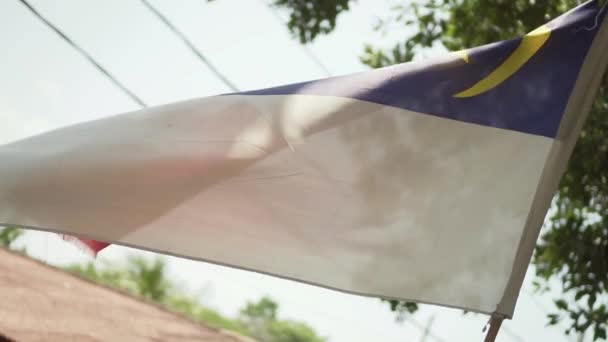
{"x": 425, "y": 182}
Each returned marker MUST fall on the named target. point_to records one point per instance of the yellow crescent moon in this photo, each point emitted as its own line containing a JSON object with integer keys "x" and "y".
{"x": 530, "y": 44}
{"x": 462, "y": 54}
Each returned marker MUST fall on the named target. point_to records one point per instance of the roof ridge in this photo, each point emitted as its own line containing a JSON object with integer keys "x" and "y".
{"x": 230, "y": 334}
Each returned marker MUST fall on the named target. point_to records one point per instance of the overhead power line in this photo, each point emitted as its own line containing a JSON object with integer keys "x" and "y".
{"x": 190, "y": 45}
{"x": 426, "y": 330}
{"x": 311, "y": 55}
{"x": 85, "y": 54}
{"x": 513, "y": 335}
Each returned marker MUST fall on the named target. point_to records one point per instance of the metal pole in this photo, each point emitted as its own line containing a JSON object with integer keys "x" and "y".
{"x": 495, "y": 323}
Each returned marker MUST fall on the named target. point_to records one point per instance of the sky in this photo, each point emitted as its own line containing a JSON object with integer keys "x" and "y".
{"x": 46, "y": 84}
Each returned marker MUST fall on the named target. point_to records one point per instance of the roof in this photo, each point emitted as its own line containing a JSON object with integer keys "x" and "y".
{"x": 43, "y": 303}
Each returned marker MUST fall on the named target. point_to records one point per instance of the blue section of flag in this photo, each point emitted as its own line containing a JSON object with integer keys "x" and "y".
{"x": 532, "y": 100}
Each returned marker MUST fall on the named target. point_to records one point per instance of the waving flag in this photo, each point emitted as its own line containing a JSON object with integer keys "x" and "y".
{"x": 424, "y": 181}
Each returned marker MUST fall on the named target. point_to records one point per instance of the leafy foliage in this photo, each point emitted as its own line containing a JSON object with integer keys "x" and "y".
{"x": 308, "y": 19}
{"x": 191, "y": 307}
{"x": 8, "y": 236}
{"x": 262, "y": 323}
{"x": 574, "y": 247}
{"x": 402, "y": 309}
{"x": 148, "y": 279}
{"x": 141, "y": 277}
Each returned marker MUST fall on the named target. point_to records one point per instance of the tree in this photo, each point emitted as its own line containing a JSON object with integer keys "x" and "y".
{"x": 261, "y": 321}
{"x": 310, "y": 18}
{"x": 8, "y": 236}
{"x": 574, "y": 245}
{"x": 140, "y": 277}
{"x": 148, "y": 279}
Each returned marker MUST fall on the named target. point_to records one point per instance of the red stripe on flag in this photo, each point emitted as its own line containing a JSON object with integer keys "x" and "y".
{"x": 89, "y": 246}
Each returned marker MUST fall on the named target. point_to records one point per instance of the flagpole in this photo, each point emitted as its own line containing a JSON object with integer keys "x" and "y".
{"x": 495, "y": 323}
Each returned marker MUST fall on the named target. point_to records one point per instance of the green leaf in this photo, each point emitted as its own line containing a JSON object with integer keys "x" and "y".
{"x": 561, "y": 304}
